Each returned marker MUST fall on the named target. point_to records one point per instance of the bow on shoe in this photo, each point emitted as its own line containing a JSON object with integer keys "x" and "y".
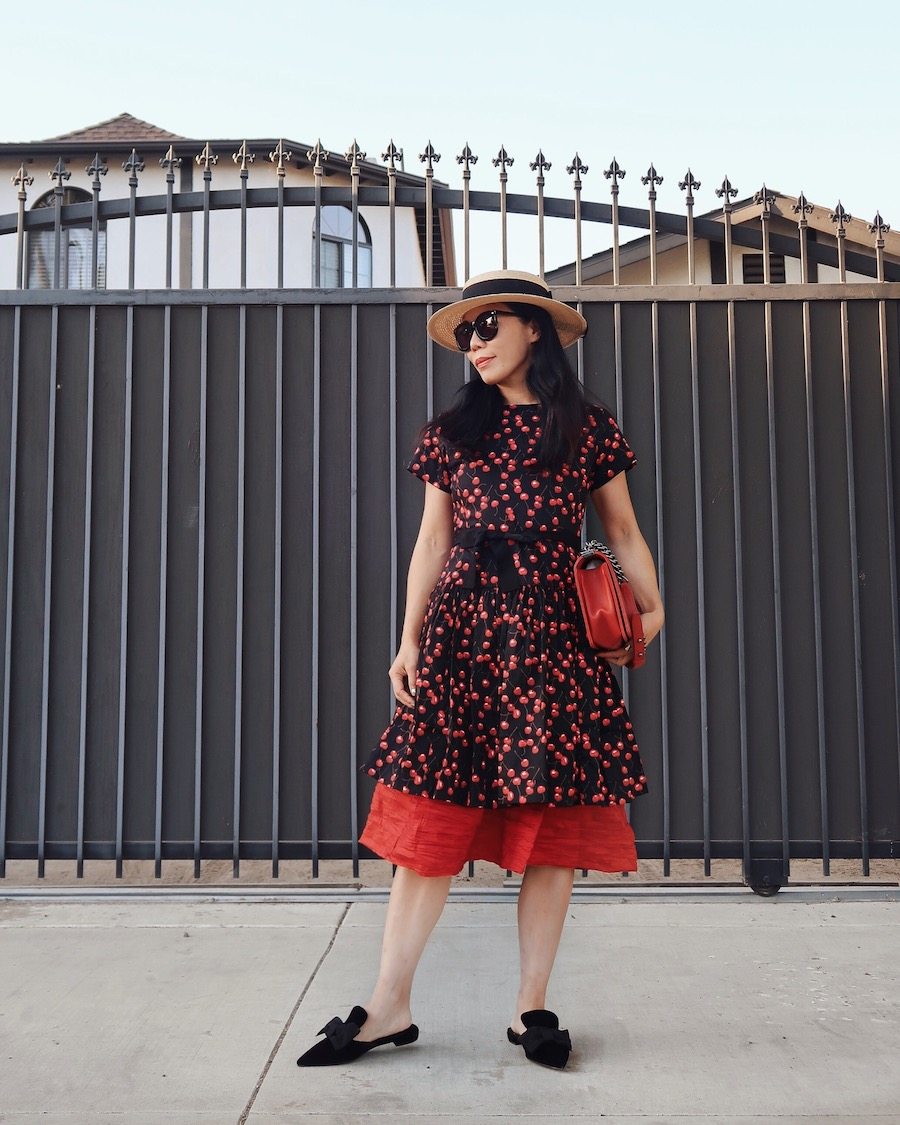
{"x": 534, "y": 1038}
{"x": 340, "y": 1032}
{"x": 543, "y": 1040}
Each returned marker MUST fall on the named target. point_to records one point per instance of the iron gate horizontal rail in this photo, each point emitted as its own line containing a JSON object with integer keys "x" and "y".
{"x": 81, "y": 214}
{"x": 207, "y": 528}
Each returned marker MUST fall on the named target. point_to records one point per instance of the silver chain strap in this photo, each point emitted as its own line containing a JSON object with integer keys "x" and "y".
{"x": 595, "y": 547}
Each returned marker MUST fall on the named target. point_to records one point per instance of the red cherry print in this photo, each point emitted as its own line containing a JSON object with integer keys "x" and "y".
{"x": 505, "y": 682}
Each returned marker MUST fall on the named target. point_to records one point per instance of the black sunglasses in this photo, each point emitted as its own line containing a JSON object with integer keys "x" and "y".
{"x": 486, "y": 326}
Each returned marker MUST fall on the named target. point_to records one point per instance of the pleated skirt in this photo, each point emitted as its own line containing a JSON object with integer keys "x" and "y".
{"x": 437, "y": 838}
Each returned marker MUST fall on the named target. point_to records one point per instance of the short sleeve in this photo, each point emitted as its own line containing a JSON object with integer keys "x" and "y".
{"x": 430, "y": 462}
{"x": 610, "y": 454}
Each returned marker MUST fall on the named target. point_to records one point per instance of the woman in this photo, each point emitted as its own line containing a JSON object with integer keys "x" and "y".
{"x": 510, "y": 741}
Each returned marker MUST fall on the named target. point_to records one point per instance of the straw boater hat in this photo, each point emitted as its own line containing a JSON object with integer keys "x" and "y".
{"x": 504, "y": 287}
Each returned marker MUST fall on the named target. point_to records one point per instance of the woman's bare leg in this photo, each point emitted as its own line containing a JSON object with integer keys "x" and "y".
{"x": 543, "y": 902}
{"x": 415, "y": 905}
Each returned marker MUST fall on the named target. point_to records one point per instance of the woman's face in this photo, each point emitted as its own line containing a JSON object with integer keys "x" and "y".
{"x": 503, "y": 361}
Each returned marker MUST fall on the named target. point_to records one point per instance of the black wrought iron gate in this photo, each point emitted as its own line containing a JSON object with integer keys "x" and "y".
{"x": 207, "y": 528}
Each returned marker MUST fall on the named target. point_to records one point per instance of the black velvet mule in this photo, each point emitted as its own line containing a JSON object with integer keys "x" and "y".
{"x": 542, "y": 1039}
{"x": 341, "y": 1046}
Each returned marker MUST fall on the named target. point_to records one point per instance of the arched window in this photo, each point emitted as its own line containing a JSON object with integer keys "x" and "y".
{"x": 337, "y": 250}
{"x": 75, "y": 249}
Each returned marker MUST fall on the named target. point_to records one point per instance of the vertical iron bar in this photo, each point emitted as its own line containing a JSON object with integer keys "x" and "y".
{"x": 392, "y": 494}
{"x": 317, "y": 157}
{"x": 86, "y": 587}
{"x": 243, "y": 158}
{"x": 133, "y": 166}
{"x": 48, "y": 570}
{"x": 429, "y": 366}
{"x": 280, "y": 158}
{"x": 354, "y": 584}
{"x": 766, "y": 198}
{"x": 802, "y": 208}
{"x": 726, "y": 192}
{"x": 392, "y": 155}
{"x": 841, "y": 217}
{"x": 653, "y": 180}
{"x": 354, "y": 155}
{"x": 615, "y": 173}
{"x": 170, "y": 162}
{"x": 165, "y": 425}
{"x": 97, "y": 169}
{"x": 21, "y": 180}
{"x": 660, "y": 560}
{"x": 276, "y": 687}
{"x": 123, "y": 604}
{"x": 239, "y": 589}
{"x": 879, "y": 228}
{"x": 739, "y": 583}
{"x": 467, "y": 158}
{"x": 314, "y": 640}
{"x": 206, "y": 159}
{"x": 540, "y": 165}
{"x": 429, "y": 158}
{"x": 503, "y": 161}
{"x": 690, "y": 185}
{"x": 201, "y": 581}
{"x": 10, "y": 576}
{"x": 577, "y": 169}
{"x": 59, "y": 175}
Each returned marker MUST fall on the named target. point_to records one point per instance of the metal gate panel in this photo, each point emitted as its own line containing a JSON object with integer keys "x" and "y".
{"x": 220, "y": 490}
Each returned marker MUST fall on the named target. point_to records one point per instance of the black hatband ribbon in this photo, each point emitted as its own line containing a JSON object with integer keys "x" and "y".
{"x": 496, "y": 285}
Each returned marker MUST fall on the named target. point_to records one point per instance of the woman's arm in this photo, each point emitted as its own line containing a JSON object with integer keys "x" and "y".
{"x": 612, "y": 503}
{"x": 429, "y": 554}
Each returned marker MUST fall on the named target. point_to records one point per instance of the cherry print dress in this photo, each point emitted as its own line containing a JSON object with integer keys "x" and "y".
{"x": 518, "y": 740}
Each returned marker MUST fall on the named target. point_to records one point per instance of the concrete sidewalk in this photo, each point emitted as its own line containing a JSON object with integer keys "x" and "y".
{"x": 153, "y": 1010}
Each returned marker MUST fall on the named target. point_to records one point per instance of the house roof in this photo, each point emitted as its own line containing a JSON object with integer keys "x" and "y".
{"x": 743, "y": 211}
{"x": 124, "y": 127}
{"x": 125, "y": 132}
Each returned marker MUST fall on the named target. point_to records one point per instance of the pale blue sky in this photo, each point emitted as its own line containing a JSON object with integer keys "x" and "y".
{"x": 803, "y": 97}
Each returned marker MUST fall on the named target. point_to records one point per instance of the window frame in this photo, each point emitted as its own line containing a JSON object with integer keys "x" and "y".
{"x": 42, "y": 243}
{"x": 344, "y": 245}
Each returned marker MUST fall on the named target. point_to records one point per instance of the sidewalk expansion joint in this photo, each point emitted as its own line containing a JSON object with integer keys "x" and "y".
{"x": 277, "y": 1046}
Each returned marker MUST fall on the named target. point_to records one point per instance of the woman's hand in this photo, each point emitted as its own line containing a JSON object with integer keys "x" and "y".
{"x": 620, "y": 656}
{"x": 402, "y": 672}
{"x": 652, "y": 623}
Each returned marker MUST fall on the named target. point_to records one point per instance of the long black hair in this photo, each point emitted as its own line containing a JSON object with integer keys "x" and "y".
{"x": 550, "y": 378}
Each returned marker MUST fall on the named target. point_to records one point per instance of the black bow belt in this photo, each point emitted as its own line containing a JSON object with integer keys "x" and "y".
{"x": 479, "y": 541}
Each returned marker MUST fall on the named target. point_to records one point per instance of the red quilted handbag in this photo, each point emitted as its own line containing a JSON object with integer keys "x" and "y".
{"x": 611, "y": 616}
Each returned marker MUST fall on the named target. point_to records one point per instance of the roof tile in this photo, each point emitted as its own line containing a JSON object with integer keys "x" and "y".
{"x": 125, "y": 127}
